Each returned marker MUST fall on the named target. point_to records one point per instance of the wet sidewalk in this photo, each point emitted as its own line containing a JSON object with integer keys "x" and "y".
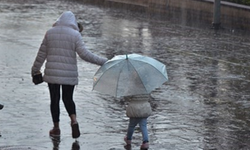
{"x": 204, "y": 106}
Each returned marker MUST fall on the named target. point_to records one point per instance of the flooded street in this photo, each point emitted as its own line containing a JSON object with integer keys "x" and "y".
{"x": 204, "y": 106}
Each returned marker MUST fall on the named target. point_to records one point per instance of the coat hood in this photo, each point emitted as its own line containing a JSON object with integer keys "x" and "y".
{"x": 67, "y": 19}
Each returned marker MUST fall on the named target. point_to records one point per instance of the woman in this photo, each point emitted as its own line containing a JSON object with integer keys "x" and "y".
{"x": 59, "y": 48}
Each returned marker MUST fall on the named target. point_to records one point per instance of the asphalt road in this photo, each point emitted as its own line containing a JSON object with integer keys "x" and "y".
{"x": 204, "y": 106}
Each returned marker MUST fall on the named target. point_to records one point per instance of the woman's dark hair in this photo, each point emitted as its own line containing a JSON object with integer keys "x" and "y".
{"x": 80, "y": 27}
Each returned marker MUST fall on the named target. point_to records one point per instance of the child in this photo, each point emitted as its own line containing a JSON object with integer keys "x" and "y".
{"x": 138, "y": 110}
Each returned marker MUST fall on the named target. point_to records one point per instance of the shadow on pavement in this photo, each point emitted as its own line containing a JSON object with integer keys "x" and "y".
{"x": 56, "y": 142}
{"x": 128, "y": 147}
{"x": 75, "y": 146}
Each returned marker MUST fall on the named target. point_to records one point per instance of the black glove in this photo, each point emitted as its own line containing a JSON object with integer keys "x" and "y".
{"x": 37, "y": 78}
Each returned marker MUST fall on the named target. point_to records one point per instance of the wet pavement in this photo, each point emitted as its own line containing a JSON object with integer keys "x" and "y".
{"x": 204, "y": 106}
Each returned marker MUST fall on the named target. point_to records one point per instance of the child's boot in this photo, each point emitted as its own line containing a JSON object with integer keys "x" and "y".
{"x": 144, "y": 146}
{"x": 128, "y": 142}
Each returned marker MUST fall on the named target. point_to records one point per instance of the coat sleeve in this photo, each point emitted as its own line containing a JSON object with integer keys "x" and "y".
{"x": 40, "y": 58}
{"x": 86, "y": 55}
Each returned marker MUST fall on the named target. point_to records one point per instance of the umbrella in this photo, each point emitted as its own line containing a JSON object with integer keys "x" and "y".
{"x": 130, "y": 74}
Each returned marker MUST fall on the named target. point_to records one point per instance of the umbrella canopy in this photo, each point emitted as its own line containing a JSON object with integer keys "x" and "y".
{"x": 130, "y": 74}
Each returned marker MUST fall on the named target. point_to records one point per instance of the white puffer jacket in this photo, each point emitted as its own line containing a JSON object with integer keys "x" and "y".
{"x": 59, "y": 48}
{"x": 138, "y": 106}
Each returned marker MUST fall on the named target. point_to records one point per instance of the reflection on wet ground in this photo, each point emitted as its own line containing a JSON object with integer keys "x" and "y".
{"x": 205, "y": 104}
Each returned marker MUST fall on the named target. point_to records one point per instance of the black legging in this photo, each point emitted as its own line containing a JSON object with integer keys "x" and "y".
{"x": 67, "y": 96}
